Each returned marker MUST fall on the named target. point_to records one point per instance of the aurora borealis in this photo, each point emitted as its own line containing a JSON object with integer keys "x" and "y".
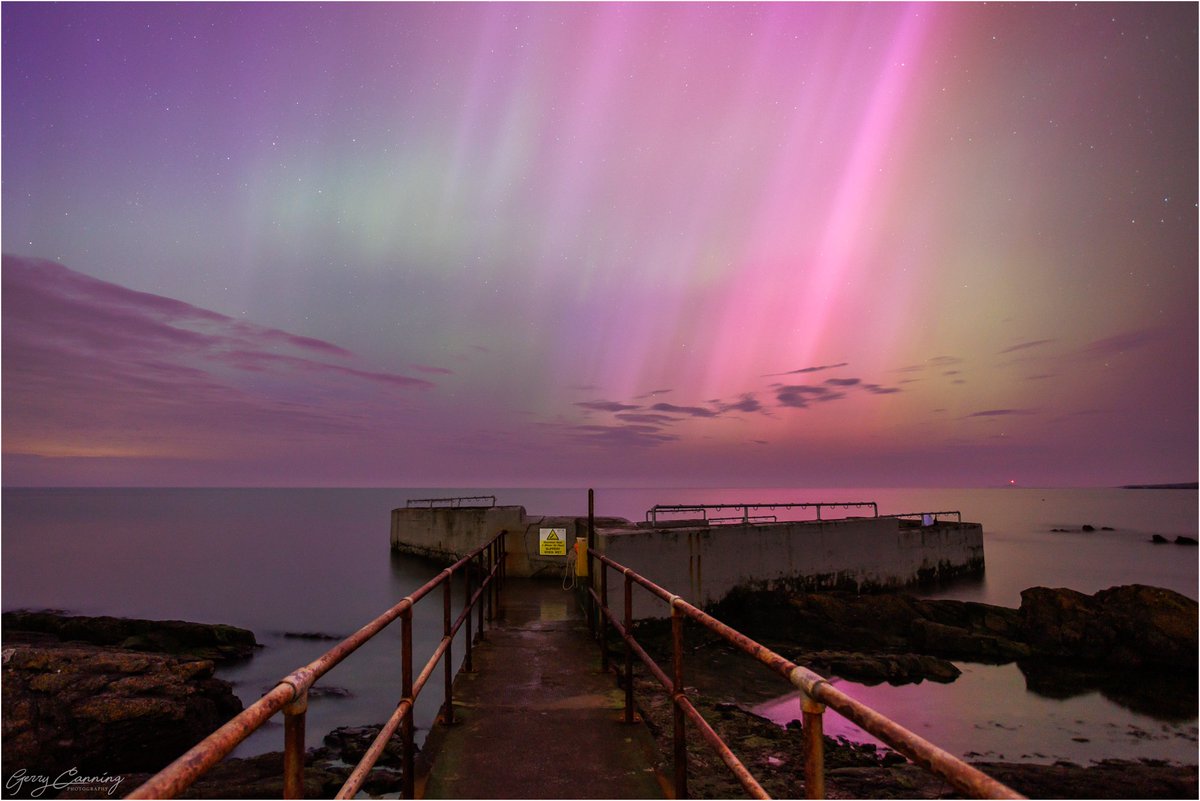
{"x": 861, "y": 244}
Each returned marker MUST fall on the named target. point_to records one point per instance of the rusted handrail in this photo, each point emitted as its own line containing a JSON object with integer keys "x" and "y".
{"x": 672, "y": 508}
{"x": 817, "y": 693}
{"x": 455, "y": 502}
{"x": 291, "y": 693}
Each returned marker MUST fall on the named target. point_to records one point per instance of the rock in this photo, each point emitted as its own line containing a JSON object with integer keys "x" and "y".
{"x": 177, "y": 637}
{"x": 1086, "y": 527}
{"x": 1107, "y": 528}
{"x": 871, "y": 669}
{"x": 310, "y": 635}
{"x": 1181, "y": 540}
{"x": 1158, "y": 539}
{"x": 103, "y": 709}
{"x": 1127, "y": 626}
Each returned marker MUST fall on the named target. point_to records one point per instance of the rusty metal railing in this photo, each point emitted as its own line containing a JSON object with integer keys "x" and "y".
{"x": 290, "y": 695}
{"x": 703, "y": 508}
{"x": 816, "y": 695}
{"x": 457, "y": 502}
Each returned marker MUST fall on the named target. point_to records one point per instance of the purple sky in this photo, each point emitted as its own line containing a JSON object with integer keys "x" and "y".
{"x": 558, "y": 245}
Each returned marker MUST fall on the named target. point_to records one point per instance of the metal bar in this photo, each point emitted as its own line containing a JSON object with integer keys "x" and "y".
{"x": 962, "y": 776}
{"x": 406, "y": 692}
{"x": 813, "y": 727}
{"x": 679, "y": 733}
{"x": 604, "y": 620}
{"x": 359, "y": 775}
{"x": 739, "y": 770}
{"x": 479, "y": 608}
{"x": 448, "y": 665}
{"x": 293, "y": 746}
{"x": 180, "y": 774}
{"x": 628, "y": 650}
{"x": 466, "y": 666}
{"x": 591, "y": 544}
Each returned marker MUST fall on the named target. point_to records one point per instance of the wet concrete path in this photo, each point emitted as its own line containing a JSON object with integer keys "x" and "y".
{"x": 537, "y": 718}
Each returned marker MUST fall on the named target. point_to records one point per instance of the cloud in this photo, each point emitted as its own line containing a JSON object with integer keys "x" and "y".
{"x": 1000, "y": 413}
{"x": 691, "y": 411}
{"x": 748, "y": 403}
{"x": 94, "y": 368}
{"x": 1039, "y": 376}
{"x": 843, "y": 382}
{"x": 1119, "y": 343}
{"x": 427, "y": 368}
{"x": 652, "y": 393}
{"x": 606, "y": 406}
{"x": 875, "y": 389}
{"x": 1023, "y": 345}
{"x": 637, "y": 436}
{"x": 800, "y": 396}
{"x": 942, "y": 361}
{"x": 647, "y": 419}
{"x": 816, "y": 369}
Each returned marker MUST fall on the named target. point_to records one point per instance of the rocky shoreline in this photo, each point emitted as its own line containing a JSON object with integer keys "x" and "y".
{"x": 1064, "y": 642}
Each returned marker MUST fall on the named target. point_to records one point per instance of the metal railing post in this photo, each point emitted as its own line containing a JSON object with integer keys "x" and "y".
{"x": 479, "y": 609}
{"x": 591, "y": 543}
{"x": 466, "y": 666}
{"x": 448, "y": 660}
{"x": 488, "y": 564}
{"x": 407, "y": 780}
{"x": 679, "y": 734}
{"x": 293, "y": 746}
{"x": 628, "y": 649}
{"x": 603, "y": 618}
{"x": 814, "y": 747}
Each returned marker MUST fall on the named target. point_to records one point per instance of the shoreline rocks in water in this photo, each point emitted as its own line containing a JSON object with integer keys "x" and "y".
{"x": 109, "y": 695}
{"x": 1132, "y": 626}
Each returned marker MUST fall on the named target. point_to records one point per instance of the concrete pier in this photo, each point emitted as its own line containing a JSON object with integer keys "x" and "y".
{"x": 537, "y": 718}
{"x": 704, "y": 562}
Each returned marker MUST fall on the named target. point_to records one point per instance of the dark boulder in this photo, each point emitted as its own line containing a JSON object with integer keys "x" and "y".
{"x": 105, "y": 710}
{"x": 873, "y": 669}
{"x": 1159, "y": 539}
{"x": 1127, "y": 626}
{"x": 1086, "y": 527}
{"x": 1181, "y": 540}
{"x": 217, "y": 642}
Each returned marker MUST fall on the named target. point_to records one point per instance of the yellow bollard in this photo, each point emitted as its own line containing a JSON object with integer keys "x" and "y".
{"x": 580, "y": 558}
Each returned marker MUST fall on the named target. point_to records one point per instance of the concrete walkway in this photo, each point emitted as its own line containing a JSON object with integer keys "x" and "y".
{"x": 537, "y": 718}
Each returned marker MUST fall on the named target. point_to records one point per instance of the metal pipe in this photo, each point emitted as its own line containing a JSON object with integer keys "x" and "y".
{"x": 739, "y": 770}
{"x": 814, "y": 747}
{"x": 466, "y": 666}
{"x": 359, "y": 775}
{"x": 628, "y": 649}
{"x": 448, "y": 664}
{"x": 603, "y": 620}
{"x": 679, "y": 733}
{"x": 293, "y": 746}
{"x": 406, "y": 692}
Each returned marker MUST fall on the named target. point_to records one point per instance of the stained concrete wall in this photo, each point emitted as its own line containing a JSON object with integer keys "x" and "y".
{"x": 446, "y": 534}
{"x": 703, "y": 564}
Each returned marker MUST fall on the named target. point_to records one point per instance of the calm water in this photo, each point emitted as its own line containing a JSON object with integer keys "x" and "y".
{"x": 275, "y": 561}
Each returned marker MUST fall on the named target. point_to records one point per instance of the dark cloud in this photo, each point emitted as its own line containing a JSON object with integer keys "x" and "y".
{"x": 647, "y": 419}
{"x": 843, "y": 382}
{"x": 876, "y": 389}
{"x": 652, "y": 393}
{"x": 942, "y": 361}
{"x": 1040, "y": 376}
{"x": 1119, "y": 343}
{"x": 606, "y": 406}
{"x": 747, "y": 403}
{"x": 1001, "y": 413}
{"x": 1023, "y": 345}
{"x": 691, "y": 411}
{"x": 815, "y": 369}
{"x": 428, "y": 368}
{"x": 800, "y": 396}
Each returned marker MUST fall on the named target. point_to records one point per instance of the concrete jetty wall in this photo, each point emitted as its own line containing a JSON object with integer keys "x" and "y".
{"x": 446, "y": 534}
{"x": 704, "y": 563}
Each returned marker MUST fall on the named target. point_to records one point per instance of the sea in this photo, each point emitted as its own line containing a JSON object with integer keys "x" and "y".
{"x": 287, "y": 562}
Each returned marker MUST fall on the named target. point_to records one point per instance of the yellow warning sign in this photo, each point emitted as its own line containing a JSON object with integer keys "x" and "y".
{"x": 552, "y": 542}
